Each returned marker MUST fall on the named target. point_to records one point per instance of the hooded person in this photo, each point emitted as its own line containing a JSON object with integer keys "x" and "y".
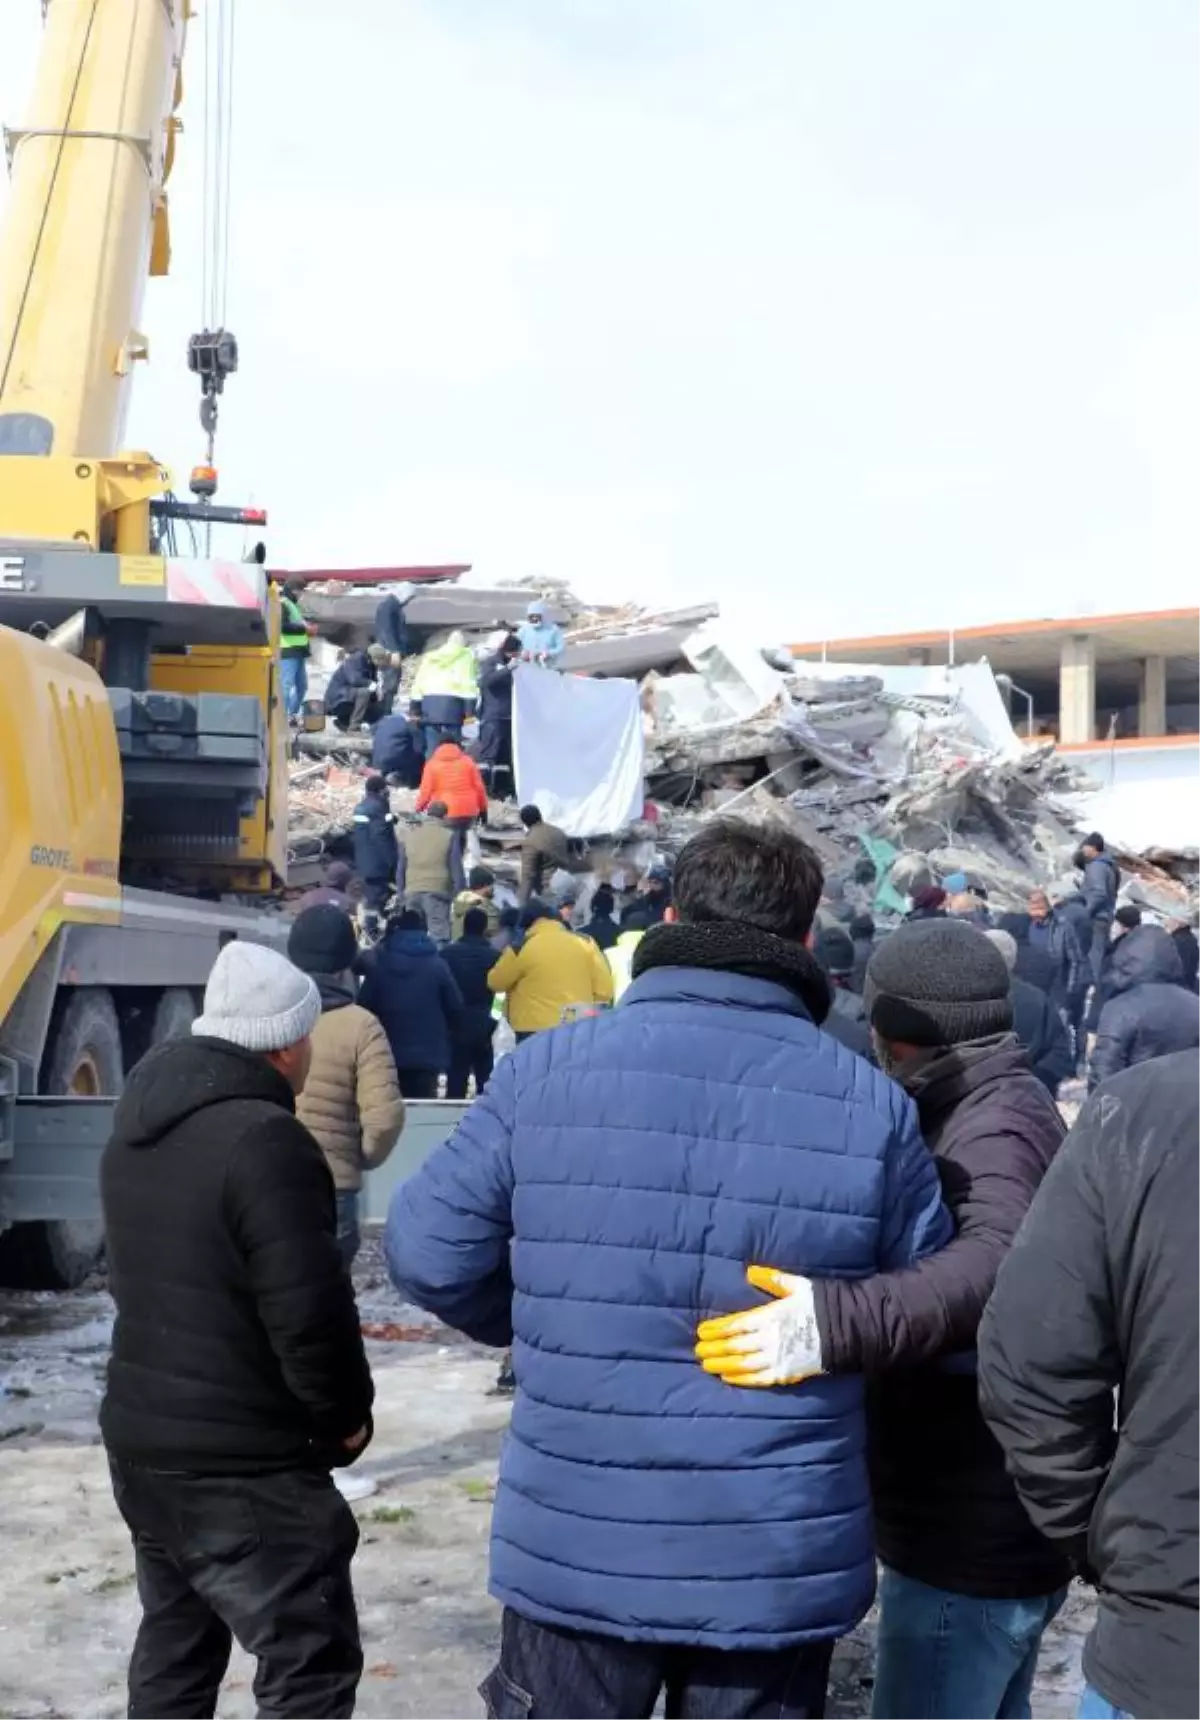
{"x": 540, "y": 638}
{"x": 1039, "y": 1027}
{"x": 445, "y": 691}
{"x": 968, "y": 1585}
{"x": 237, "y": 1376}
{"x": 350, "y": 696}
{"x": 1147, "y": 1010}
{"x": 397, "y": 749}
{"x": 351, "y": 1101}
{"x": 414, "y": 994}
{"x": 334, "y": 892}
{"x": 652, "y": 1527}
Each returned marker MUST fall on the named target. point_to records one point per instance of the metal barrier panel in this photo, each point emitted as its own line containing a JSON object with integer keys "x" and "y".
{"x": 427, "y": 1123}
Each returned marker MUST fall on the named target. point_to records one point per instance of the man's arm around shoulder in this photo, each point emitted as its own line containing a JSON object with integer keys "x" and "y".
{"x": 449, "y": 1227}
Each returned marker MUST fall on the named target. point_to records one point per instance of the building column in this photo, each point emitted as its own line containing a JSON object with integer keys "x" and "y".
{"x": 1152, "y": 697}
{"x": 1077, "y": 690}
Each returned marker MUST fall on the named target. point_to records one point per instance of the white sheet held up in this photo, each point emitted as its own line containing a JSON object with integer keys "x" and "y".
{"x": 578, "y": 750}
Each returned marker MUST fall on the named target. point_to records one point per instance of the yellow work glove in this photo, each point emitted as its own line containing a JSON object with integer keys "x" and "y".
{"x": 777, "y": 1344}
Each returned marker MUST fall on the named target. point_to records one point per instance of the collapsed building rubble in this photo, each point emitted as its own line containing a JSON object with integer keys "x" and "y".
{"x": 894, "y": 774}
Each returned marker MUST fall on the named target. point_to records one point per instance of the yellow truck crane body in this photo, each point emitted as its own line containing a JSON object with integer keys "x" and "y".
{"x": 143, "y": 740}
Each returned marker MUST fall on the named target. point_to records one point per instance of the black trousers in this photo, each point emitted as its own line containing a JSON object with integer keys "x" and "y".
{"x": 263, "y": 1558}
{"x": 417, "y": 1083}
{"x": 546, "y": 1671}
{"x": 472, "y": 1057}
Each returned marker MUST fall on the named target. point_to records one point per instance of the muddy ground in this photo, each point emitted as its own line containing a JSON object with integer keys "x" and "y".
{"x": 67, "y": 1603}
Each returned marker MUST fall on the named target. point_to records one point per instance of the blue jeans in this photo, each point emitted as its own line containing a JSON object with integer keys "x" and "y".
{"x": 955, "y": 1657}
{"x": 1093, "y": 1706}
{"x": 293, "y": 673}
{"x": 348, "y": 1233}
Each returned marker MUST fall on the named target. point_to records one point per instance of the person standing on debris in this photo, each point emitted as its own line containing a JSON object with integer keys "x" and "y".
{"x": 1049, "y": 953}
{"x": 602, "y": 928}
{"x": 847, "y": 1018}
{"x": 429, "y": 870}
{"x": 496, "y": 716}
{"x": 479, "y": 893}
{"x": 294, "y": 649}
{"x": 390, "y": 648}
{"x": 350, "y": 700}
{"x": 445, "y": 691}
{"x": 966, "y": 901}
{"x": 1101, "y": 882}
{"x": 927, "y": 903}
{"x": 333, "y": 893}
{"x": 1087, "y": 1377}
{"x": 612, "y": 1176}
{"x": 453, "y": 778}
{"x": 396, "y": 750}
{"x": 375, "y": 852}
{"x": 968, "y": 1584}
{"x": 351, "y": 1102}
{"x": 1187, "y": 949}
{"x": 414, "y": 994}
{"x": 238, "y": 1377}
{"x": 1040, "y": 1029}
{"x": 1147, "y": 1010}
{"x": 545, "y": 850}
{"x": 551, "y": 973}
{"x": 541, "y": 640}
{"x": 470, "y": 959}
{"x": 862, "y": 936}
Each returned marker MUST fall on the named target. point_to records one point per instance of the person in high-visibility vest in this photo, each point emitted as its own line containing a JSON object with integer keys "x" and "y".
{"x": 294, "y": 649}
{"x": 620, "y": 956}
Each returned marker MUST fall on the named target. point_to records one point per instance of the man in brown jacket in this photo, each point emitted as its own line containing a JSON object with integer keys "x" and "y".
{"x": 545, "y": 850}
{"x": 351, "y": 1101}
{"x": 429, "y": 872}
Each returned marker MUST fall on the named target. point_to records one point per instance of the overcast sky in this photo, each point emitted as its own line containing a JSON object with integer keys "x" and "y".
{"x": 863, "y": 316}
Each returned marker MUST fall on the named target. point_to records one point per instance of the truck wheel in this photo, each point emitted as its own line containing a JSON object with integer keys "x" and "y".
{"x": 174, "y": 1016}
{"x": 84, "y": 1061}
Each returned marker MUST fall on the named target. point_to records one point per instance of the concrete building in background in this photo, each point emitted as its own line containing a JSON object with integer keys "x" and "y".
{"x": 1120, "y": 694}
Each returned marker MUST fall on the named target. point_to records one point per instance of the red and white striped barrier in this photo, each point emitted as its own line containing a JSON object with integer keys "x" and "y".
{"x": 226, "y": 584}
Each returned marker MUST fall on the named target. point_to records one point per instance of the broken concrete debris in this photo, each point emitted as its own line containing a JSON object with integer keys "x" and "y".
{"x": 895, "y": 774}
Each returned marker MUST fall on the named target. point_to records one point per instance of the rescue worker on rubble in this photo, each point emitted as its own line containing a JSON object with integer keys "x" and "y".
{"x": 390, "y": 648}
{"x": 551, "y": 974}
{"x": 375, "y": 851}
{"x": 445, "y": 691}
{"x": 350, "y": 699}
{"x": 396, "y": 750}
{"x": 653, "y": 1528}
{"x": 1098, "y": 893}
{"x": 545, "y": 850}
{"x": 968, "y": 1584}
{"x": 429, "y": 869}
{"x": 495, "y": 753}
{"x": 238, "y": 1378}
{"x": 541, "y": 640}
{"x": 1040, "y": 1029}
{"x": 294, "y": 649}
{"x": 1049, "y": 953}
{"x": 453, "y": 778}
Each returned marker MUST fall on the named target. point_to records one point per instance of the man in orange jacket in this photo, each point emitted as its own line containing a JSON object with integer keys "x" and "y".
{"x": 454, "y": 779}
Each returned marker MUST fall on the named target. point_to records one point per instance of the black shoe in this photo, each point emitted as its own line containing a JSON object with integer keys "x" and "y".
{"x": 506, "y": 1384}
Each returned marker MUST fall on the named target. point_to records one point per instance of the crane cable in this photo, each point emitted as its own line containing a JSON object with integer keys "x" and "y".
{"x": 45, "y": 216}
{"x": 220, "y": 39}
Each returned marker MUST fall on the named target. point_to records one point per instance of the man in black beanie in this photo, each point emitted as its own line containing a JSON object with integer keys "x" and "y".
{"x": 968, "y": 1585}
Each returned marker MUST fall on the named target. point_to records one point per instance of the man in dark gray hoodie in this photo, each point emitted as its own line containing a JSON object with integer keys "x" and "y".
{"x": 1101, "y": 882}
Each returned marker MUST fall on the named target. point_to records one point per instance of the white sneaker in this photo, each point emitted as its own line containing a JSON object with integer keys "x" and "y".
{"x": 352, "y": 1486}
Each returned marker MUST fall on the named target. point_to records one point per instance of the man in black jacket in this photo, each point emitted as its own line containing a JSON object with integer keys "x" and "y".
{"x": 847, "y": 1018}
{"x": 1099, "y": 1297}
{"x": 495, "y": 753}
{"x": 1101, "y": 884}
{"x": 376, "y": 852}
{"x": 1147, "y": 1010}
{"x": 237, "y": 1376}
{"x": 968, "y": 1585}
{"x": 1040, "y": 1029}
{"x": 470, "y": 959}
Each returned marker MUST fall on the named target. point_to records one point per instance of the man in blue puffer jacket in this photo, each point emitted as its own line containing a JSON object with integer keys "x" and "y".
{"x": 653, "y": 1528}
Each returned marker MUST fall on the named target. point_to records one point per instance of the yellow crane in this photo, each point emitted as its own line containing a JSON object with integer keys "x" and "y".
{"x": 143, "y": 773}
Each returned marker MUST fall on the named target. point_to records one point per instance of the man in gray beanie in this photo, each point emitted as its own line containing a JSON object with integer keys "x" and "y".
{"x": 238, "y": 1376}
{"x": 968, "y": 1585}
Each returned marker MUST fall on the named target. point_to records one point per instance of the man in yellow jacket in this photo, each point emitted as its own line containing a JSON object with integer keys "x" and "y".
{"x": 552, "y": 973}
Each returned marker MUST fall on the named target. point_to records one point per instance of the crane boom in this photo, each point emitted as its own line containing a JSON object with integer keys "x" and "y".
{"x": 86, "y": 222}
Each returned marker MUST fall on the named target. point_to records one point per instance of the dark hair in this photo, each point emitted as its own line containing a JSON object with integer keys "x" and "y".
{"x": 408, "y": 920}
{"x": 510, "y": 918}
{"x": 436, "y": 809}
{"x": 480, "y": 878}
{"x": 338, "y": 874}
{"x": 835, "y": 952}
{"x": 862, "y": 926}
{"x": 533, "y": 911}
{"x": 530, "y": 815}
{"x": 1128, "y": 915}
{"x": 474, "y": 923}
{"x": 603, "y": 900}
{"x": 510, "y": 646}
{"x": 1095, "y": 840}
{"x": 638, "y": 916}
{"x": 755, "y": 875}
{"x": 376, "y": 785}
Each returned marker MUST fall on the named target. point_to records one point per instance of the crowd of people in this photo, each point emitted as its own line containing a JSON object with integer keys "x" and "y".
{"x": 800, "y": 1279}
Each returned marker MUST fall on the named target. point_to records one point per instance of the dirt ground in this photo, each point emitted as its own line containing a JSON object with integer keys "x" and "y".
{"x": 68, "y": 1609}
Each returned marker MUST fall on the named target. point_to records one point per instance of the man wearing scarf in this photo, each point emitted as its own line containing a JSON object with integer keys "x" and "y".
{"x": 653, "y": 1529}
